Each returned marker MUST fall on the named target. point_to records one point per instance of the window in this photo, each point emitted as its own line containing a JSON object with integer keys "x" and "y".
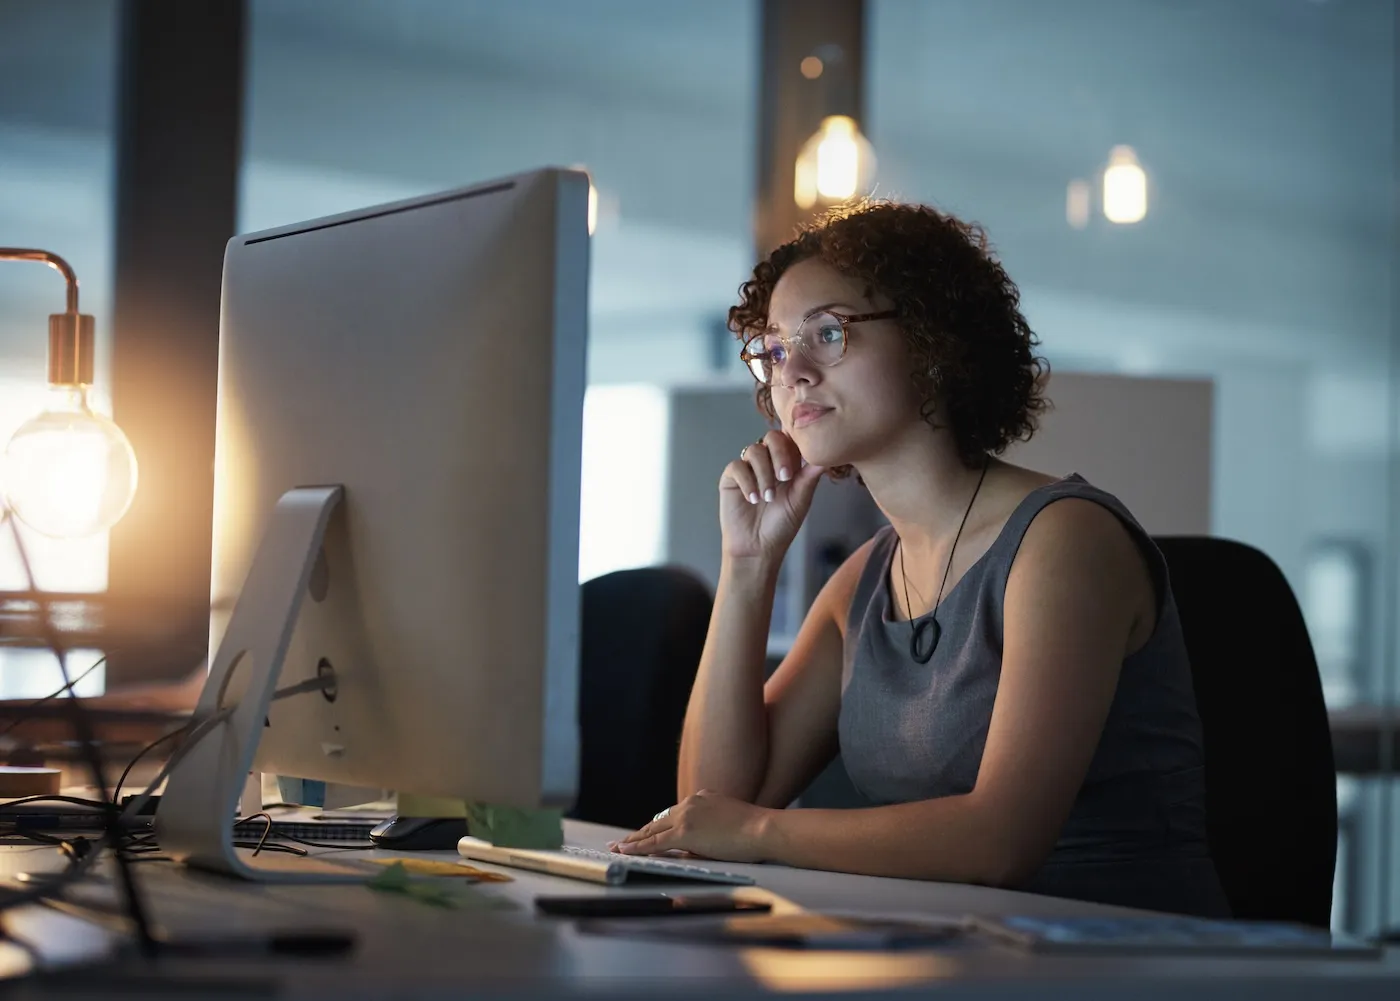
{"x": 1263, "y": 130}
{"x": 56, "y": 148}
{"x": 351, "y": 104}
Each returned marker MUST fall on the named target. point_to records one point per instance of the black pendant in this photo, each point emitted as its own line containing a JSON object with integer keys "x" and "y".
{"x": 925, "y": 640}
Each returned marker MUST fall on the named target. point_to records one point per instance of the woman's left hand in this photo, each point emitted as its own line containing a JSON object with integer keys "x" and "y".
{"x": 708, "y": 824}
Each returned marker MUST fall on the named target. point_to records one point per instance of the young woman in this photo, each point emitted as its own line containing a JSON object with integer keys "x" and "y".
{"x": 1002, "y": 668}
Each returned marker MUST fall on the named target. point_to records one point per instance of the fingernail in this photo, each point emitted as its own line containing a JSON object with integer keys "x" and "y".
{"x": 753, "y": 498}
{"x": 784, "y": 475}
{"x": 768, "y": 494}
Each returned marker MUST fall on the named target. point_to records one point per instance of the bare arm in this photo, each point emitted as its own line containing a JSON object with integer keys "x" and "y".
{"x": 756, "y": 742}
{"x": 724, "y": 744}
{"x": 803, "y": 698}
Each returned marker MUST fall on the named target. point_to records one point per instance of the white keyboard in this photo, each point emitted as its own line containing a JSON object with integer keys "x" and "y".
{"x": 654, "y": 865}
{"x": 609, "y": 868}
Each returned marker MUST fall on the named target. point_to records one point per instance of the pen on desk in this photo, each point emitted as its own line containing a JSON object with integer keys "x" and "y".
{"x": 305, "y": 943}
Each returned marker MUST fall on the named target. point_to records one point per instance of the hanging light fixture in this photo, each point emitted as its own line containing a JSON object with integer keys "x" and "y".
{"x": 837, "y": 163}
{"x": 1124, "y": 187}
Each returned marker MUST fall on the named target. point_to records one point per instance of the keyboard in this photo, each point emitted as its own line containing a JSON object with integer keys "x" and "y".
{"x": 608, "y": 868}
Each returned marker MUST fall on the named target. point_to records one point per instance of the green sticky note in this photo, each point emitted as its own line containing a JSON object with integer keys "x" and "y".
{"x": 434, "y": 891}
{"x": 510, "y": 827}
{"x": 434, "y": 894}
{"x": 394, "y": 878}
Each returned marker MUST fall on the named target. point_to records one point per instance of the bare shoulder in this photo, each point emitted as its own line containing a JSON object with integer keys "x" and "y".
{"x": 1022, "y": 480}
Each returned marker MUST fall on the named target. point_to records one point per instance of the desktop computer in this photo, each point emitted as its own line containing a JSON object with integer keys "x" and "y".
{"x": 396, "y": 509}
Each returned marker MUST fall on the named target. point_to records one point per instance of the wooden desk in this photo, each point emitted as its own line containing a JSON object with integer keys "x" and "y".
{"x": 409, "y": 948}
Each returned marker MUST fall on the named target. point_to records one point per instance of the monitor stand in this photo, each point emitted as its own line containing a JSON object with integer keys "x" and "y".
{"x": 194, "y": 823}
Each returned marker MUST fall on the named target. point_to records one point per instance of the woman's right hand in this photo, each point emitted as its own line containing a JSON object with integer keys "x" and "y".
{"x": 764, "y": 496}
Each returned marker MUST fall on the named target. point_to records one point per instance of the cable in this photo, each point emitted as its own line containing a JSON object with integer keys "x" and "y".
{"x": 202, "y": 728}
{"x": 322, "y": 844}
{"x": 133, "y": 809}
{"x": 55, "y": 798}
{"x": 82, "y": 859}
{"x": 77, "y": 868}
{"x": 82, "y": 729}
{"x": 273, "y": 847}
{"x": 36, "y": 958}
{"x": 44, "y": 838}
{"x": 152, "y": 853}
{"x": 52, "y": 695}
{"x": 267, "y": 829}
{"x": 117, "y": 791}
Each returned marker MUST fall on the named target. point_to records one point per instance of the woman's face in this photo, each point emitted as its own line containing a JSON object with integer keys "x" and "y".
{"x": 846, "y": 412}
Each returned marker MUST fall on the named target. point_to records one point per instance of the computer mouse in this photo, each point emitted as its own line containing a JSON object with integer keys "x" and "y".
{"x": 419, "y": 834}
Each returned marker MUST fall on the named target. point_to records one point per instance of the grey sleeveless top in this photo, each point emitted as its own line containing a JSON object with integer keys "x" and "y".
{"x": 908, "y": 731}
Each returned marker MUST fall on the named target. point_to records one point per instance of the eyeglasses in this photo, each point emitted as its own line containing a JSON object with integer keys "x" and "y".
{"x": 821, "y": 336}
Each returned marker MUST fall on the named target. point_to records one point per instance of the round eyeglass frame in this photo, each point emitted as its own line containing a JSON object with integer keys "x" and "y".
{"x": 750, "y": 358}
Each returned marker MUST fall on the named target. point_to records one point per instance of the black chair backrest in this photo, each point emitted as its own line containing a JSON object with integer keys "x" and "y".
{"x": 641, "y": 635}
{"x": 1271, "y": 787}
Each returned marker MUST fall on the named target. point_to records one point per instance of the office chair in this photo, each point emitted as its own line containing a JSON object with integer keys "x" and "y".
{"x": 642, "y": 633}
{"x": 1271, "y": 787}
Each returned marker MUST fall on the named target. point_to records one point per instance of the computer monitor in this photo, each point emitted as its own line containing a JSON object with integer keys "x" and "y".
{"x": 423, "y": 364}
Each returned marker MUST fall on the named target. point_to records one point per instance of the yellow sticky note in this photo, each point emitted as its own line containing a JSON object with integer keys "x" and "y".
{"x": 431, "y": 867}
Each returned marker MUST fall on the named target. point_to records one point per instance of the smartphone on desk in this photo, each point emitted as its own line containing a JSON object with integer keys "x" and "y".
{"x": 651, "y": 905}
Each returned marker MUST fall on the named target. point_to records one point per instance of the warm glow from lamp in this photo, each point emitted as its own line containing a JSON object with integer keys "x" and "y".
{"x": 68, "y": 472}
{"x": 592, "y": 208}
{"x": 838, "y": 159}
{"x": 1124, "y": 187}
{"x": 835, "y": 164}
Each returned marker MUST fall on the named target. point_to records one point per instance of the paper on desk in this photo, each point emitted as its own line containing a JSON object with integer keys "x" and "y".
{"x": 396, "y": 879}
{"x": 430, "y": 867}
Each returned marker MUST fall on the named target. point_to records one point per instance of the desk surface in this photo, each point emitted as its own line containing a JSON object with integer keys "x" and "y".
{"x": 500, "y": 947}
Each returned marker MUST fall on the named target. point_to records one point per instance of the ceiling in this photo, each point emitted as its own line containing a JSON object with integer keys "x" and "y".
{"x": 1266, "y": 127}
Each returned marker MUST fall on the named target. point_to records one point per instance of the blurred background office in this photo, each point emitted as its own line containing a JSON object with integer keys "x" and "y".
{"x": 1193, "y": 189}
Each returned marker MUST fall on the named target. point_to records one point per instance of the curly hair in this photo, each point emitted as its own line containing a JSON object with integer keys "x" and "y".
{"x": 970, "y": 346}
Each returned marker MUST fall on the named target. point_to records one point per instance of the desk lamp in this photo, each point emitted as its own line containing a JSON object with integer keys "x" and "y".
{"x": 68, "y": 472}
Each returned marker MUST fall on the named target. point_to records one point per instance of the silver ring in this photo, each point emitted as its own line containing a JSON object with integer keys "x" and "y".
{"x": 662, "y": 815}
{"x": 744, "y": 452}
